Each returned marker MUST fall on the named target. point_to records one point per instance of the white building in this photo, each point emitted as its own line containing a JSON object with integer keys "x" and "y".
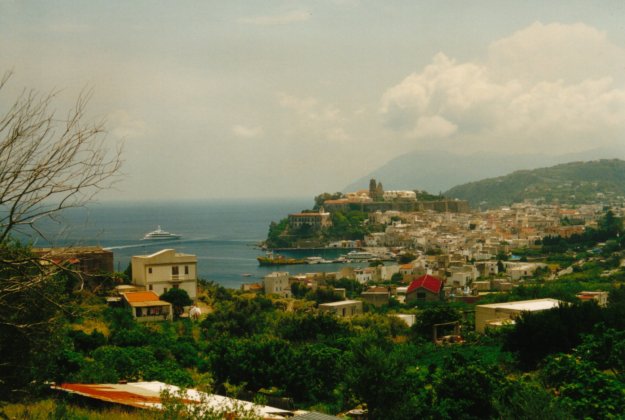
{"x": 399, "y": 195}
{"x": 496, "y": 314}
{"x": 461, "y": 276}
{"x": 343, "y": 308}
{"x": 164, "y": 270}
{"x": 364, "y": 275}
{"x": 277, "y": 283}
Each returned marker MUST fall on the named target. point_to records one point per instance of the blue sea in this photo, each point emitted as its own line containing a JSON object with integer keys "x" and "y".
{"x": 223, "y": 234}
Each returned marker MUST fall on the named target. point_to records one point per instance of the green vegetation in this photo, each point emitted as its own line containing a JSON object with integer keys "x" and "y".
{"x": 575, "y": 183}
{"x": 352, "y": 224}
{"x": 561, "y": 363}
{"x": 178, "y": 298}
{"x": 321, "y": 198}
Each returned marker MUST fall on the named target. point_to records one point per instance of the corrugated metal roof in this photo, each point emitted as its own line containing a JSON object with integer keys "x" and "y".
{"x": 314, "y": 416}
{"x": 147, "y": 395}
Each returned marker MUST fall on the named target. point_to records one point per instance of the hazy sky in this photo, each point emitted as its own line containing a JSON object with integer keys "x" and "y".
{"x": 233, "y": 99}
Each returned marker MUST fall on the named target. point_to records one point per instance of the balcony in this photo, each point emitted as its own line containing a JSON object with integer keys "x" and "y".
{"x": 176, "y": 278}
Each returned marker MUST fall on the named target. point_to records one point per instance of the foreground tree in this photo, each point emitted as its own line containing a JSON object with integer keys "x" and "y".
{"x": 48, "y": 164}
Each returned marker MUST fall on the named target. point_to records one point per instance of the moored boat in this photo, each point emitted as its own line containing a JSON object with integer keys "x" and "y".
{"x": 276, "y": 259}
{"x": 359, "y": 256}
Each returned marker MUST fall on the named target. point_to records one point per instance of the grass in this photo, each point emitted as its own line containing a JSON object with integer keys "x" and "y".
{"x": 60, "y": 409}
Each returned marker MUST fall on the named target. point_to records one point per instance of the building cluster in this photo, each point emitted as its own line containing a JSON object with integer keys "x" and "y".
{"x": 451, "y": 256}
{"x": 446, "y": 256}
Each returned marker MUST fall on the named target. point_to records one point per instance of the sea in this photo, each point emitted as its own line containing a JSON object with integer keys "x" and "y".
{"x": 223, "y": 234}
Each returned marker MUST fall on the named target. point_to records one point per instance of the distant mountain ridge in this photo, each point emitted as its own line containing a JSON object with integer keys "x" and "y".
{"x": 437, "y": 171}
{"x": 574, "y": 182}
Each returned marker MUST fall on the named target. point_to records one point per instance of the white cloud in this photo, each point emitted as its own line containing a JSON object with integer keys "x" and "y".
{"x": 337, "y": 134}
{"x": 555, "y": 51}
{"x": 123, "y": 125}
{"x": 312, "y": 118}
{"x": 525, "y": 95}
{"x": 310, "y": 108}
{"x": 246, "y": 132}
{"x": 279, "y": 19}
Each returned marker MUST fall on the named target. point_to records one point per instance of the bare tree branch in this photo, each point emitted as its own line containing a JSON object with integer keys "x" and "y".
{"x": 49, "y": 164}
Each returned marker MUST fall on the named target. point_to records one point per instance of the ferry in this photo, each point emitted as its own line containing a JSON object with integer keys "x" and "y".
{"x": 159, "y": 235}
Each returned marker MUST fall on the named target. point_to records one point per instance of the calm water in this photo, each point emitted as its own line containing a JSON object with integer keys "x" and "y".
{"x": 223, "y": 234}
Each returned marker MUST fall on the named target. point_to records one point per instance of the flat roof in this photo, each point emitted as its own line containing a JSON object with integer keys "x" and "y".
{"x": 526, "y": 305}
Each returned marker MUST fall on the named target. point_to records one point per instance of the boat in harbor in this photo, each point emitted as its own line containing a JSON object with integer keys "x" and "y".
{"x": 276, "y": 259}
{"x": 317, "y": 260}
{"x": 360, "y": 256}
{"x": 160, "y": 235}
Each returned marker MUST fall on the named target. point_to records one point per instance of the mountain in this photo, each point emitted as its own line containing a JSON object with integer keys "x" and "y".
{"x": 436, "y": 171}
{"x": 575, "y": 182}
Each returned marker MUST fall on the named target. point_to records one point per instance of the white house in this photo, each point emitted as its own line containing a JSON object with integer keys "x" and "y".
{"x": 277, "y": 283}
{"x": 343, "y": 308}
{"x": 164, "y": 270}
{"x": 496, "y": 314}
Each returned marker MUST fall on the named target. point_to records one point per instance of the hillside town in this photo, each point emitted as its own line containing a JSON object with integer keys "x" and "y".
{"x": 425, "y": 272}
{"x": 470, "y": 252}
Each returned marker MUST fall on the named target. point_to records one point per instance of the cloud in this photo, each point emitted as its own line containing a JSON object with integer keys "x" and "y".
{"x": 555, "y": 51}
{"x": 314, "y": 118}
{"x": 310, "y": 108}
{"x": 123, "y": 125}
{"x": 533, "y": 91}
{"x": 279, "y": 19}
{"x": 246, "y": 132}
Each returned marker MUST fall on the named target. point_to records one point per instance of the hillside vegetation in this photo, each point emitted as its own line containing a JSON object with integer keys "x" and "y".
{"x": 574, "y": 183}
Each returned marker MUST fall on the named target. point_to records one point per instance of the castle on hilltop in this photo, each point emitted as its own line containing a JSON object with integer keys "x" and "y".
{"x": 375, "y": 198}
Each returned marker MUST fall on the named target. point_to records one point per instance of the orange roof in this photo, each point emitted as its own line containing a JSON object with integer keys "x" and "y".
{"x": 135, "y": 297}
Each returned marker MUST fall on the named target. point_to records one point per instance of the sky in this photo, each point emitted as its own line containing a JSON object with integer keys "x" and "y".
{"x": 235, "y": 99}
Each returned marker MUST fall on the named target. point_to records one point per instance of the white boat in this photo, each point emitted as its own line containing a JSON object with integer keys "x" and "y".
{"x": 359, "y": 256}
{"x": 317, "y": 260}
{"x": 159, "y": 235}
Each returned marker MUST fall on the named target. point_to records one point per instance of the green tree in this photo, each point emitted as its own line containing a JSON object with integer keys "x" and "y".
{"x": 49, "y": 163}
{"x": 33, "y": 305}
{"x": 455, "y": 386}
{"x": 583, "y": 389}
{"x": 423, "y": 327}
{"x": 179, "y": 298}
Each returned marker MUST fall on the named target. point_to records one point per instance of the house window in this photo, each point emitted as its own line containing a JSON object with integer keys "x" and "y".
{"x": 176, "y": 286}
{"x": 150, "y": 270}
{"x": 174, "y": 270}
{"x": 420, "y": 295}
{"x": 186, "y": 269}
{"x": 164, "y": 290}
{"x": 150, "y": 287}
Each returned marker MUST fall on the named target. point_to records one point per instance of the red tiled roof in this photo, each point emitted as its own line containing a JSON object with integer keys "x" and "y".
{"x": 427, "y": 282}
